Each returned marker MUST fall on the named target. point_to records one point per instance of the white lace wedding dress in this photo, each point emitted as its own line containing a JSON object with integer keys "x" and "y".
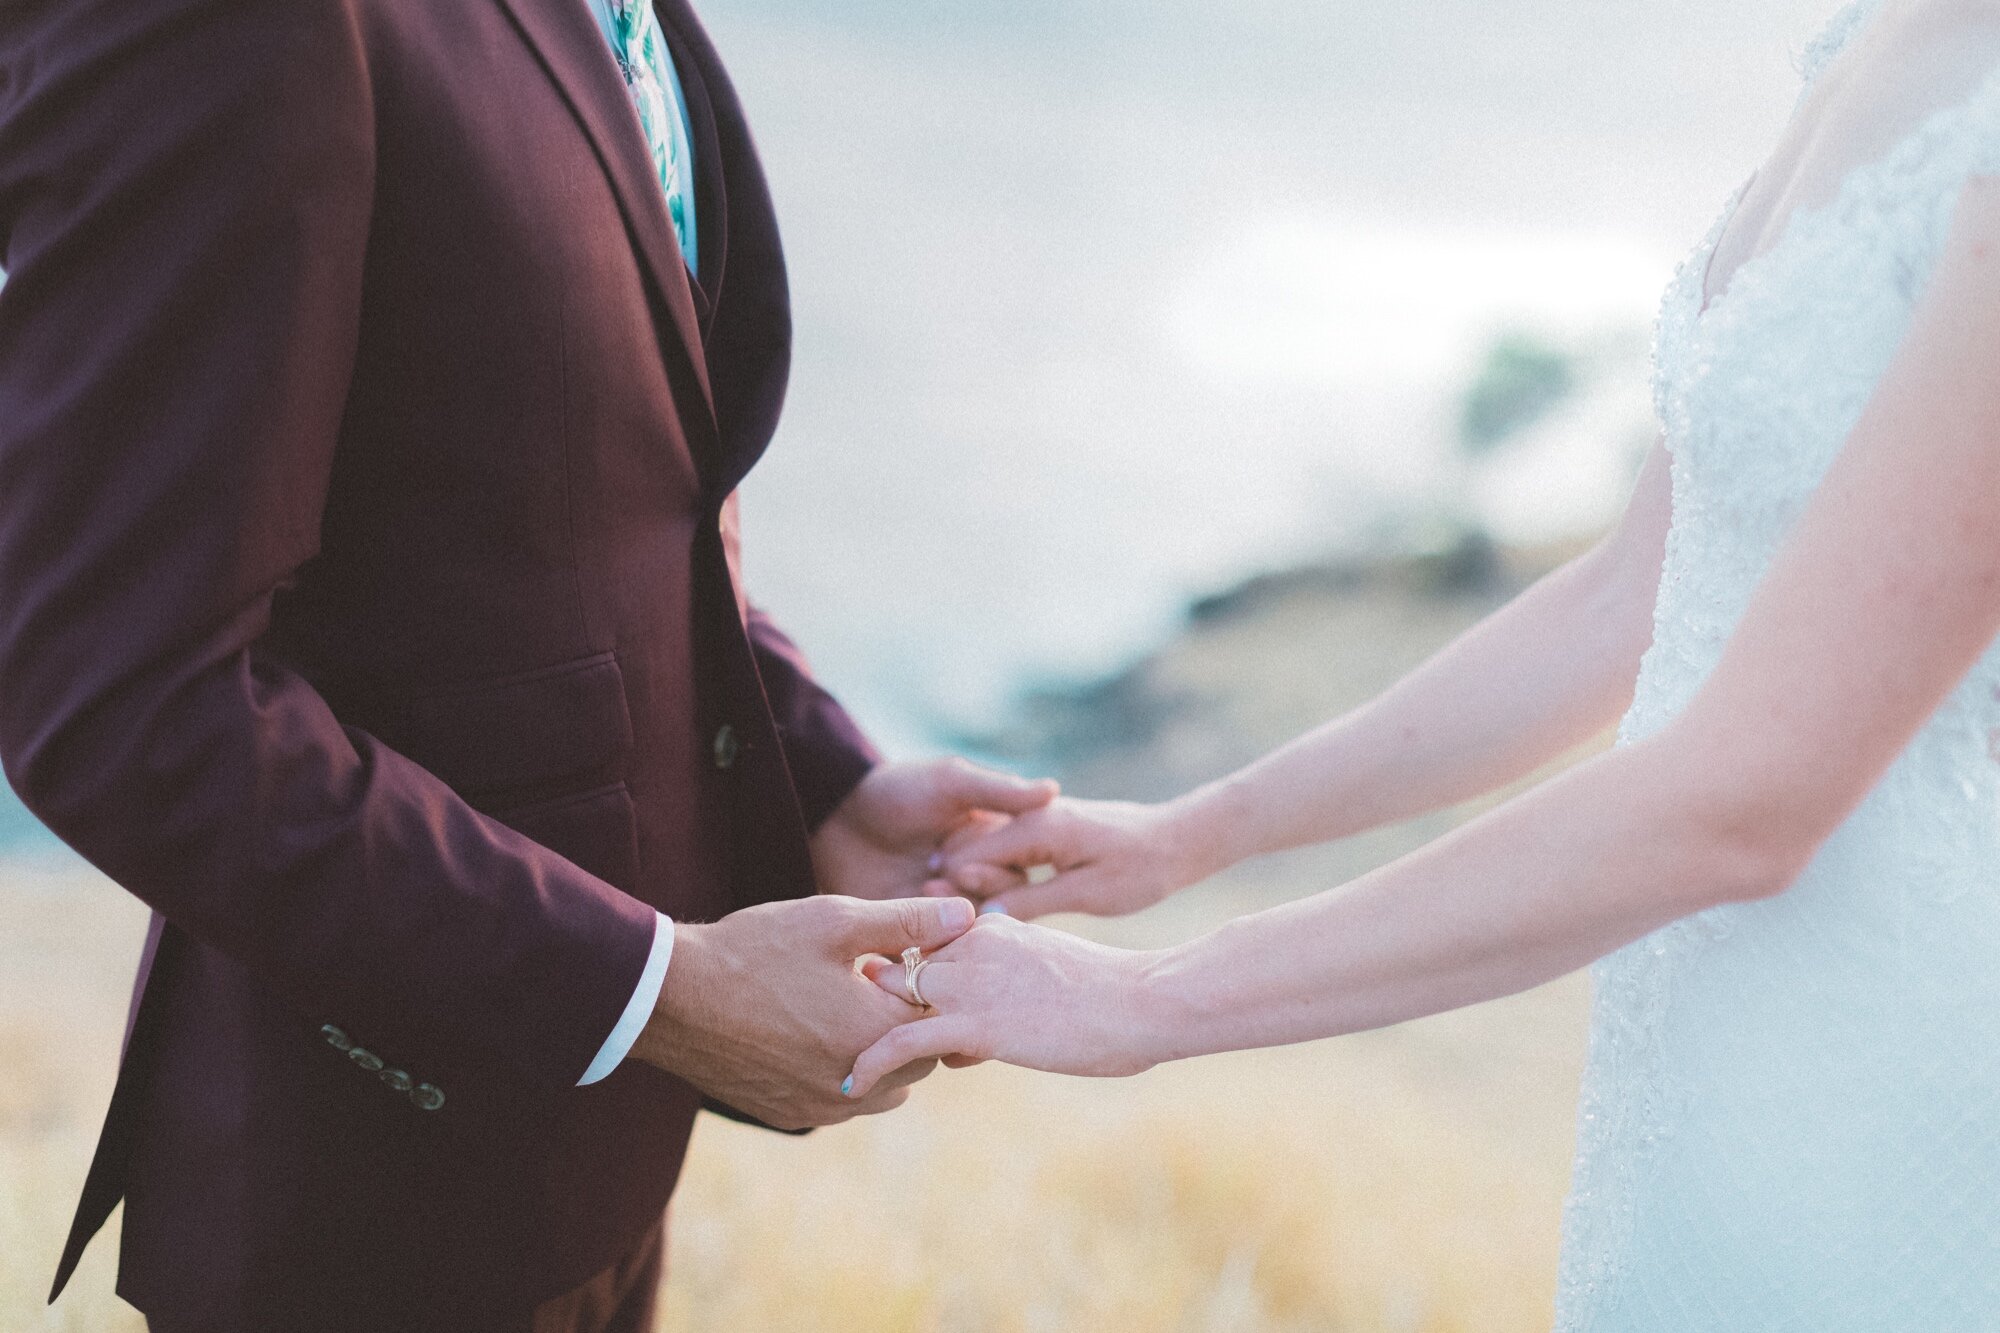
{"x": 1791, "y": 1111}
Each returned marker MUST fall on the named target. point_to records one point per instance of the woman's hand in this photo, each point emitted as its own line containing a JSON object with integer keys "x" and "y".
{"x": 883, "y": 839}
{"x": 1024, "y": 994}
{"x": 1109, "y": 858}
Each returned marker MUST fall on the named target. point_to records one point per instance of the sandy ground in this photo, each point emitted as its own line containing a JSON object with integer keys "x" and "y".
{"x": 1408, "y": 1179}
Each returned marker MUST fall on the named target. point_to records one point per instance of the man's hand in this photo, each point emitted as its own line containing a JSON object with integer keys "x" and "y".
{"x": 765, "y": 1010}
{"x": 881, "y": 841}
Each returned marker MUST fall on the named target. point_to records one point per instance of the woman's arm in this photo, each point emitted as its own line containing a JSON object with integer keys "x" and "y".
{"x": 1546, "y": 672}
{"x": 1543, "y": 674}
{"x": 1885, "y": 594}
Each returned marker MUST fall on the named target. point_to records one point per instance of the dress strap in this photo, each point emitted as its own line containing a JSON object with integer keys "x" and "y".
{"x": 1982, "y": 121}
{"x": 1834, "y": 37}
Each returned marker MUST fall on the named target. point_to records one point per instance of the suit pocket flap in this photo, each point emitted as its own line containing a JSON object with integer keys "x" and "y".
{"x": 535, "y": 729}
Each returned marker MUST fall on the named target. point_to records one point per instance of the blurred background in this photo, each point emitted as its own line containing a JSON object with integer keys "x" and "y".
{"x": 1170, "y": 376}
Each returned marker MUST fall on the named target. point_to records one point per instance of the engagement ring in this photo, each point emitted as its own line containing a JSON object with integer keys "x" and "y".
{"x": 914, "y": 962}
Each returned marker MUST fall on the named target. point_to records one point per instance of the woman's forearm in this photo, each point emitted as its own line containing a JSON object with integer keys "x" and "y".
{"x": 1545, "y": 673}
{"x": 1589, "y": 861}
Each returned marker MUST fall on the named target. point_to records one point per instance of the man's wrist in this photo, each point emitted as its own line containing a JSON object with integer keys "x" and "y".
{"x": 645, "y": 997}
{"x": 825, "y": 845}
{"x": 678, "y": 1012}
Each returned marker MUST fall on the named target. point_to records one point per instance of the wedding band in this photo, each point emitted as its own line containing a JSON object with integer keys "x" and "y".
{"x": 914, "y": 962}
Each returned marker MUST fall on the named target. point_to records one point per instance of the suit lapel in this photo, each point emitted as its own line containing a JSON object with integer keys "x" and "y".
{"x": 749, "y": 337}
{"x": 566, "y": 38}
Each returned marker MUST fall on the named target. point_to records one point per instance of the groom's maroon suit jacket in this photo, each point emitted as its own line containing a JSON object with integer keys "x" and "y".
{"x": 368, "y": 608}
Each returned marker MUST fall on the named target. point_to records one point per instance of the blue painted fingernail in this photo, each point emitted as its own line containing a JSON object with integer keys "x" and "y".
{"x": 847, "y": 1086}
{"x": 994, "y": 909}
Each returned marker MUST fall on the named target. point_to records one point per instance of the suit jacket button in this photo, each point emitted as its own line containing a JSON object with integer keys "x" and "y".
{"x": 726, "y": 747}
{"x": 368, "y": 1060}
{"x": 427, "y": 1096}
{"x": 337, "y": 1039}
{"x": 396, "y": 1079}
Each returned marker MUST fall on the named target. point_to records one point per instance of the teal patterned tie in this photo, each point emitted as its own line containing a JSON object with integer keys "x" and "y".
{"x": 641, "y": 49}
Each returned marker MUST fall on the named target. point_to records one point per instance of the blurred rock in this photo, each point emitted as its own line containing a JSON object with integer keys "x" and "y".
{"x": 1260, "y": 663}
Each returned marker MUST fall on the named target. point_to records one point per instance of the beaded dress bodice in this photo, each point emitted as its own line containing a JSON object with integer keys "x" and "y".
{"x": 1791, "y": 1109}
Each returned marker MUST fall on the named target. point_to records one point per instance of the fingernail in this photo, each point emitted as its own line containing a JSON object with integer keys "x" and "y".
{"x": 936, "y": 862}
{"x": 995, "y": 908}
{"x": 954, "y": 913}
{"x": 847, "y": 1086}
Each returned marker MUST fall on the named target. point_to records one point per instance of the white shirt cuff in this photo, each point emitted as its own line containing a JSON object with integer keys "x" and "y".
{"x": 644, "y": 997}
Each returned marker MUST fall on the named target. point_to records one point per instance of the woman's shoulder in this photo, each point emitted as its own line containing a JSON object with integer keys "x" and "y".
{"x": 1920, "y": 68}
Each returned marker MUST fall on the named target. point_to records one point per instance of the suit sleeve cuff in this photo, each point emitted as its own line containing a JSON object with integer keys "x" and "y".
{"x": 644, "y": 997}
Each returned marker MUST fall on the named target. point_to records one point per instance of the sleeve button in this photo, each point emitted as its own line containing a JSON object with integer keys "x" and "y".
{"x": 396, "y": 1079}
{"x": 727, "y": 747}
{"x": 337, "y": 1039}
{"x": 368, "y": 1060}
{"x": 427, "y": 1096}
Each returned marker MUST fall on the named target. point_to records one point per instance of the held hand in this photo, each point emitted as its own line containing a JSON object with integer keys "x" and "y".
{"x": 881, "y": 841}
{"x": 765, "y": 1009}
{"x": 1027, "y": 995}
{"x": 1110, "y": 858}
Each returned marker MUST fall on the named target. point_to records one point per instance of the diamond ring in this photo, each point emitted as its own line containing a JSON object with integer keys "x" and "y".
{"x": 914, "y": 963}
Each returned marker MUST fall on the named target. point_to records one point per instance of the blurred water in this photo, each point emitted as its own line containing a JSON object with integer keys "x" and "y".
{"x": 1105, "y": 303}
{"x": 17, "y": 826}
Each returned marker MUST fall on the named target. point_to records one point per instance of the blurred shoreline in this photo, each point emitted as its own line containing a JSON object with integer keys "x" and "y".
{"x": 1246, "y": 669}
{"x": 1259, "y": 662}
